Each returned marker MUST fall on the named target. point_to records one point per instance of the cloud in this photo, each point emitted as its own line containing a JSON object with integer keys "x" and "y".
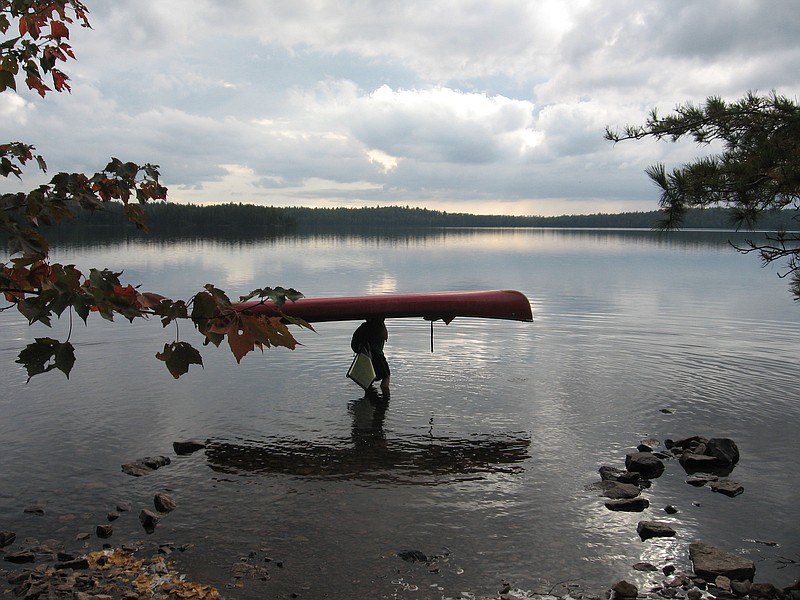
{"x": 495, "y": 106}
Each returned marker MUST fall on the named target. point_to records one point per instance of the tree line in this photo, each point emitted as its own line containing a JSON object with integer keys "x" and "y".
{"x": 167, "y": 219}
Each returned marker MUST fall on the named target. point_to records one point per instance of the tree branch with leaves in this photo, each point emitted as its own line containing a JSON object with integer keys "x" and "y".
{"x": 41, "y": 290}
{"x": 757, "y": 171}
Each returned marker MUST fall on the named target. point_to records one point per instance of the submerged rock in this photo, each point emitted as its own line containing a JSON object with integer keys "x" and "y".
{"x": 412, "y": 556}
{"x": 143, "y": 466}
{"x": 6, "y": 538}
{"x": 164, "y": 503}
{"x": 188, "y": 446}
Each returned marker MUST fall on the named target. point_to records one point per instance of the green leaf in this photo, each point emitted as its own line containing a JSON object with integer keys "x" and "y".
{"x": 178, "y": 356}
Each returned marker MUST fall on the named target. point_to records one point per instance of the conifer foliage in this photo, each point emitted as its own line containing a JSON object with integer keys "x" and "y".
{"x": 756, "y": 173}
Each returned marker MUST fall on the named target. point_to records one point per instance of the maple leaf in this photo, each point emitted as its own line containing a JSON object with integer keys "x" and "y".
{"x": 35, "y": 83}
{"x": 178, "y": 356}
{"x": 241, "y": 342}
{"x": 46, "y": 354}
{"x": 150, "y": 299}
{"x": 60, "y": 81}
{"x": 58, "y": 30}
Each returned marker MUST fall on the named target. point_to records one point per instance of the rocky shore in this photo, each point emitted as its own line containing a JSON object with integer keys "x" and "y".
{"x": 37, "y": 570}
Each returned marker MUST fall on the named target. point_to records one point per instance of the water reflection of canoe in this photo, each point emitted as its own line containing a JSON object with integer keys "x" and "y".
{"x": 410, "y": 461}
{"x": 494, "y": 304}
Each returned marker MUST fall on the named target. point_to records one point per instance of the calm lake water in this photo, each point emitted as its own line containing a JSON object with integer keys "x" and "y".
{"x": 488, "y": 450}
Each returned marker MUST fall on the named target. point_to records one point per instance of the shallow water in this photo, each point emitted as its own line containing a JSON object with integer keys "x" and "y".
{"x": 486, "y": 454}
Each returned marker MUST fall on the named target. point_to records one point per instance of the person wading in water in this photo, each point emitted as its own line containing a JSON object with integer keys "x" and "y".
{"x": 373, "y": 335}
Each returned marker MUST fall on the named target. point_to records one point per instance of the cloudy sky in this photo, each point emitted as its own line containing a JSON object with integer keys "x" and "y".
{"x": 497, "y": 106}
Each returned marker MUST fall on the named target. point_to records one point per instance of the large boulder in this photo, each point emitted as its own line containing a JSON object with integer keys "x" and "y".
{"x": 710, "y": 562}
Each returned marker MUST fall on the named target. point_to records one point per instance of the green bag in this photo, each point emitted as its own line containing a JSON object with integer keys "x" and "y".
{"x": 361, "y": 370}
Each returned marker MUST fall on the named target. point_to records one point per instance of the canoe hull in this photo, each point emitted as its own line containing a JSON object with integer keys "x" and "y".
{"x": 494, "y": 304}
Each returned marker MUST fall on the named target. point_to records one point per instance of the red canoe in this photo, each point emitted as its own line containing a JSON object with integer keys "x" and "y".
{"x": 495, "y": 304}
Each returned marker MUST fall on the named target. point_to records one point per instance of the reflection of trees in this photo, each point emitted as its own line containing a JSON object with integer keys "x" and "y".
{"x": 370, "y": 455}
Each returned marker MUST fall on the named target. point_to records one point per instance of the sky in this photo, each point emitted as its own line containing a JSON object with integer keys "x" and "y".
{"x": 491, "y": 107}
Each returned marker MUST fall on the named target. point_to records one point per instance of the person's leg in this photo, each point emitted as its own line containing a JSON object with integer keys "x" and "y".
{"x": 385, "y": 385}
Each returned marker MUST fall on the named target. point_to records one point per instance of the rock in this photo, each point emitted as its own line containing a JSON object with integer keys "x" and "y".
{"x": 412, "y": 556}
{"x": 668, "y": 570}
{"x": 149, "y": 520}
{"x": 763, "y": 590}
{"x": 727, "y": 487}
{"x": 187, "y": 446}
{"x": 143, "y": 466}
{"x": 608, "y": 473}
{"x": 723, "y": 583}
{"x": 690, "y": 443}
{"x": 19, "y": 558}
{"x": 741, "y": 588}
{"x": 617, "y": 490}
{"x": 645, "y": 567}
{"x": 630, "y": 477}
{"x": 6, "y": 538}
{"x": 647, "y": 445}
{"x": 77, "y": 563}
{"x": 112, "y": 516}
{"x": 624, "y": 589}
{"x": 651, "y": 529}
{"x": 724, "y": 450}
{"x": 614, "y": 474}
{"x": 123, "y": 506}
{"x": 700, "y": 479}
{"x": 104, "y": 531}
{"x": 694, "y": 594}
{"x": 36, "y": 508}
{"x": 692, "y": 462}
{"x": 666, "y": 411}
{"x": 249, "y": 571}
{"x": 645, "y": 464}
{"x": 164, "y": 503}
{"x": 670, "y": 510}
{"x": 628, "y": 504}
{"x": 710, "y": 562}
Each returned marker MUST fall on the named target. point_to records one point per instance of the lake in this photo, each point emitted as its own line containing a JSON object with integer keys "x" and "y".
{"x": 484, "y": 460}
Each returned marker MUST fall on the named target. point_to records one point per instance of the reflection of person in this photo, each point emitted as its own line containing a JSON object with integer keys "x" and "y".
{"x": 373, "y": 334}
{"x": 368, "y": 434}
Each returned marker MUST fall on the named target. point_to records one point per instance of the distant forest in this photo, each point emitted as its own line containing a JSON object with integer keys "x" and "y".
{"x": 171, "y": 219}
